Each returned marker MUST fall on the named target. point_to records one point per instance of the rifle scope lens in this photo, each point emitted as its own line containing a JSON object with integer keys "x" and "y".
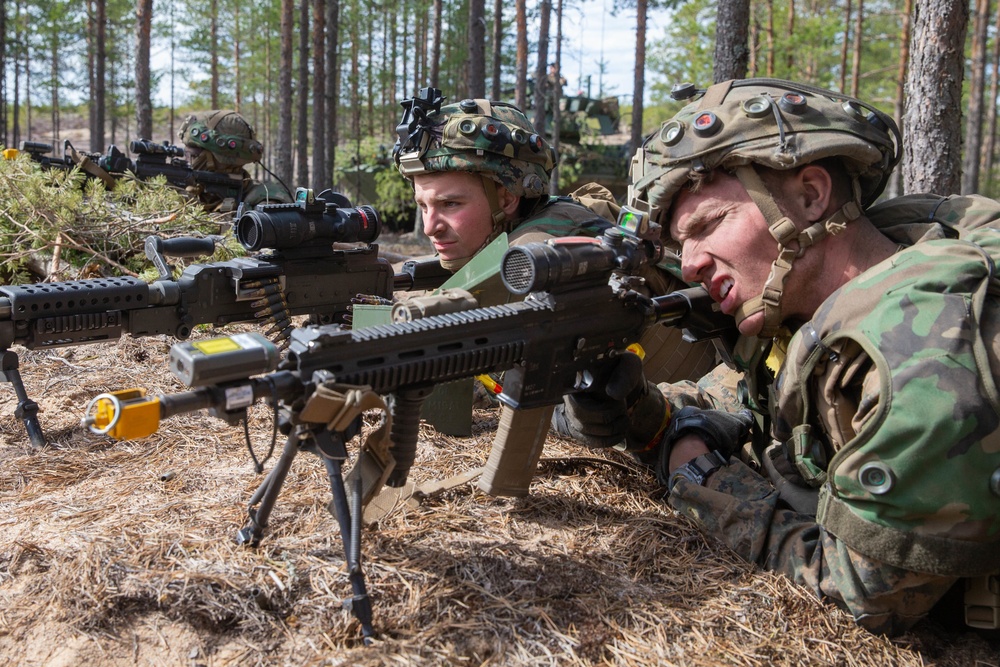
{"x": 280, "y": 226}
{"x": 544, "y": 266}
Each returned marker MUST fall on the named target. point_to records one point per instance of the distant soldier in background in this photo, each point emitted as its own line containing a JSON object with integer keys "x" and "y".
{"x": 223, "y": 141}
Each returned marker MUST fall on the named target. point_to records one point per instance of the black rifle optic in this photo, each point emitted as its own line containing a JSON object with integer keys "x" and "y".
{"x": 313, "y": 278}
{"x": 563, "y": 338}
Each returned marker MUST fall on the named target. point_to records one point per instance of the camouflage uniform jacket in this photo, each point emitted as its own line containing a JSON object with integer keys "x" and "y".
{"x": 254, "y": 192}
{"x": 560, "y": 216}
{"x": 886, "y": 407}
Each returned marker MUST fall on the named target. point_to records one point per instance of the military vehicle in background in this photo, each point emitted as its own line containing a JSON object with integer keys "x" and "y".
{"x": 372, "y": 179}
{"x": 593, "y": 146}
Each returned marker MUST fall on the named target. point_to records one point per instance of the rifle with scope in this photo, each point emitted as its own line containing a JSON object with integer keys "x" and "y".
{"x": 153, "y": 159}
{"x": 580, "y": 313}
{"x": 39, "y": 152}
{"x": 71, "y": 159}
{"x": 302, "y": 272}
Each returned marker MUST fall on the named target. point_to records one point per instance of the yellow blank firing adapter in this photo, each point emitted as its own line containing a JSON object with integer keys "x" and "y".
{"x": 124, "y": 415}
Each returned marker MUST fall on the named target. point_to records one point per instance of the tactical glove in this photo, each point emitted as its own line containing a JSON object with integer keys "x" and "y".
{"x": 724, "y": 432}
{"x": 622, "y": 409}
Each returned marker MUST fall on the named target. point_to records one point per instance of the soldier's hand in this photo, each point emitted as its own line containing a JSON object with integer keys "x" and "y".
{"x": 721, "y": 431}
{"x": 604, "y": 416}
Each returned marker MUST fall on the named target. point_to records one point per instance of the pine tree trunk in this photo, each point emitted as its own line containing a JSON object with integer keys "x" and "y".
{"x": 989, "y": 141}
{"x": 319, "y": 181}
{"x": 476, "y": 79}
{"x": 236, "y": 58}
{"x": 856, "y": 60}
{"x": 143, "y": 103}
{"x": 521, "y": 64}
{"x": 843, "y": 46}
{"x": 3, "y": 73}
{"x": 54, "y": 90}
{"x": 332, "y": 85}
{"x": 977, "y": 83}
{"x": 895, "y": 186}
{"x": 541, "y": 87}
{"x": 638, "y": 88}
{"x": 557, "y": 93}
{"x": 435, "y": 77}
{"x": 302, "y": 108}
{"x": 213, "y": 55}
{"x": 932, "y": 151}
{"x": 283, "y": 152}
{"x": 731, "y": 36}
{"x": 497, "y": 49}
{"x": 790, "y": 62}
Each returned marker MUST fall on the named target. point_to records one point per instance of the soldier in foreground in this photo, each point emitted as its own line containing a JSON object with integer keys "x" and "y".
{"x": 871, "y": 345}
{"x": 224, "y": 142}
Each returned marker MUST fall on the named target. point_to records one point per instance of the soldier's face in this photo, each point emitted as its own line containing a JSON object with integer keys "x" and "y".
{"x": 456, "y": 213}
{"x": 725, "y": 244}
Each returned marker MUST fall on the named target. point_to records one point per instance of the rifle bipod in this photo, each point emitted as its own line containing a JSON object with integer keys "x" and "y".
{"x": 329, "y": 446}
{"x": 27, "y": 409}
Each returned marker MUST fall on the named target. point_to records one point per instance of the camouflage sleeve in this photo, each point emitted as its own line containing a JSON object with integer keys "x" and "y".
{"x": 741, "y": 508}
{"x": 716, "y": 390}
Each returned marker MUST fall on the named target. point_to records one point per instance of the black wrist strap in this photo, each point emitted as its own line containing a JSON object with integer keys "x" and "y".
{"x": 697, "y": 470}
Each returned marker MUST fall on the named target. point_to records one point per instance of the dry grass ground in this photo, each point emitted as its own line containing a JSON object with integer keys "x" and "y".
{"x": 106, "y": 559}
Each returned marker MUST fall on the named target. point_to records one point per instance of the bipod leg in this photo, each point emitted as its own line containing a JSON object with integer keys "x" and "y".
{"x": 267, "y": 493}
{"x": 350, "y": 534}
{"x": 27, "y": 409}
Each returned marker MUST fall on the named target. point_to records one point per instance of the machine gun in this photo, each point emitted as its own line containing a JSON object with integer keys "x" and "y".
{"x": 581, "y": 312}
{"x": 303, "y": 273}
{"x": 153, "y": 159}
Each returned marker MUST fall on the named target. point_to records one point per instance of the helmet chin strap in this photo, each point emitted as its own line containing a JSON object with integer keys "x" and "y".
{"x": 498, "y": 219}
{"x": 791, "y": 245}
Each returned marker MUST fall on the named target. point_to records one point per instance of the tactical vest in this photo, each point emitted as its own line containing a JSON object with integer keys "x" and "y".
{"x": 887, "y": 399}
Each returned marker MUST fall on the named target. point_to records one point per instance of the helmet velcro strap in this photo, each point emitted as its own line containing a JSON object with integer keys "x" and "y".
{"x": 784, "y": 231}
{"x": 497, "y": 213}
{"x": 754, "y": 185}
{"x": 749, "y": 307}
{"x": 833, "y": 225}
{"x": 715, "y": 94}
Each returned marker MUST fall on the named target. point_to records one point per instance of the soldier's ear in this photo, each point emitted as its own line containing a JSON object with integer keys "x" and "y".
{"x": 815, "y": 190}
{"x": 508, "y": 201}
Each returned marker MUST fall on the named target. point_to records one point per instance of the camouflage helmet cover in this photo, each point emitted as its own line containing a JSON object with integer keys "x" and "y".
{"x": 223, "y": 133}
{"x": 479, "y": 136}
{"x": 770, "y": 122}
